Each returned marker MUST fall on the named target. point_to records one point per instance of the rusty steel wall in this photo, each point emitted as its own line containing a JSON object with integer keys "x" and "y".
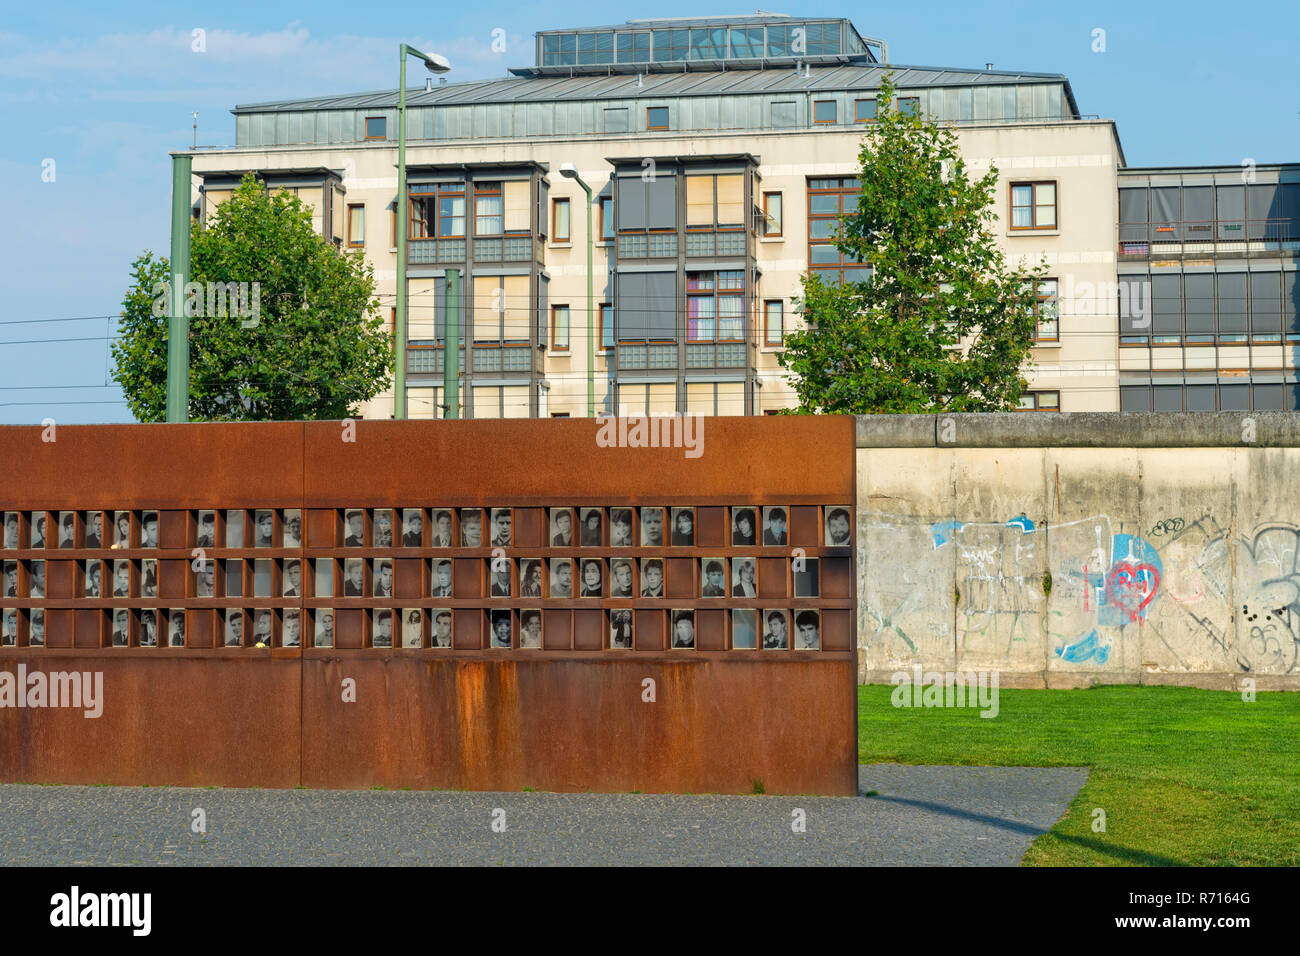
{"x": 570, "y": 716}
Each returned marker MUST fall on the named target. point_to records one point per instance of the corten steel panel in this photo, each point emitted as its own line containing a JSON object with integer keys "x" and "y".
{"x": 170, "y": 718}
{"x": 716, "y": 725}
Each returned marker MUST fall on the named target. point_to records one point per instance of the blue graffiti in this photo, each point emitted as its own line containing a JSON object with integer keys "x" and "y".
{"x": 943, "y": 531}
{"x": 1025, "y": 524}
{"x": 1088, "y": 647}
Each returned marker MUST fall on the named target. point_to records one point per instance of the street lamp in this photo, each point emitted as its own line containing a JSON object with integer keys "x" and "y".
{"x": 569, "y": 171}
{"x": 434, "y": 64}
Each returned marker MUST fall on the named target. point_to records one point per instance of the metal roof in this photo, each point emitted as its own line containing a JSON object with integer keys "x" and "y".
{"x": 657, "y": 85}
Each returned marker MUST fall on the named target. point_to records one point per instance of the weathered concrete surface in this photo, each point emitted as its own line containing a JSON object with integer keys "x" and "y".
{"x": 1067, "y": 550}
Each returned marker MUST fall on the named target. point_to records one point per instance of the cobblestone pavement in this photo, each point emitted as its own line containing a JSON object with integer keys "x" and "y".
{"x": 920, "y": 815}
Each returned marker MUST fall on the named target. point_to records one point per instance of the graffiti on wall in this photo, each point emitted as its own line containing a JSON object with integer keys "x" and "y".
{"x": 1080, "y": 591}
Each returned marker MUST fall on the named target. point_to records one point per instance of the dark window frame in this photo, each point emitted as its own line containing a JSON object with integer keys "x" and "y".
{"x": 1033, "y": 205}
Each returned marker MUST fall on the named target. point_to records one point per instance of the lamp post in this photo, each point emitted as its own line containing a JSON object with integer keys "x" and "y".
{"x": 569, "y": 171}
{"x": 434, "y": 64}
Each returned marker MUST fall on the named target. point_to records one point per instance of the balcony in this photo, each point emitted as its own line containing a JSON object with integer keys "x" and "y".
{"x": 632, "y": 356}
{"x": 1209, "y": 238}
{"x": 653, "y": 245}
{"x": 511, "y": 358}
{"x": 716, "y": 245}
{"x": 486, "y": 249}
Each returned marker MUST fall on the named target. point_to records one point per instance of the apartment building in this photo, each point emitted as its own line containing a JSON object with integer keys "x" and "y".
{"x": 719, "y": 153}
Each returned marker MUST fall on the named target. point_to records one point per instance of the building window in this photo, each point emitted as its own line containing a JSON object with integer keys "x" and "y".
{"x": 560, "y": 328}
{"x": 824, "y": 111}
{"x": 376, "y": 127}
{"x": 828, "y": 199}
{"x": 1040, "y": 402}
{"x": 437, "y": 211}
{"x": 909, "y": 106}
{"x": 772, "y": 218}
{"x": 1033, "y": 205}
{"x": 356, "y": 225}
{"x": 656, "y": 117}
{"x": 489, "y": 210}
{"x": 559, "y": 220}
{"x": 606, "y": 325}
{"x": 606, "y": 217}
{"x": 715, "y": 200}
{"x": 773, "y": 322}
{"x": 715, "y": 306}
{"x": 864, "y": 111}
{"x": 1047, "y": 312}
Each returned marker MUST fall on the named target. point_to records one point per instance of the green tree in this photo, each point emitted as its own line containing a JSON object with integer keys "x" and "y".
{"x": 942, "y": 324}
{"x": 315, "y": 348}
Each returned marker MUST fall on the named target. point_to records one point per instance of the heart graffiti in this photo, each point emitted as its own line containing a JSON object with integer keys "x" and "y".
{"x": 1132, "y": 587}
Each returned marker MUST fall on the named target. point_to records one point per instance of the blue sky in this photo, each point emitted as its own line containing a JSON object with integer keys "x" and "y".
{"x": 106, "y": 91}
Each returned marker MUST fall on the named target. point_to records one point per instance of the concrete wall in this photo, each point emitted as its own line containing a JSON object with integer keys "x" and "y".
{"x": 1065, "y": 550}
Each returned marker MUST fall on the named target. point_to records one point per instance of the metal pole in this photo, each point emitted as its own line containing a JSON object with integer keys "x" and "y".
{"x": 451, "y": 347}
{"x": 591, "y": 341}
{"x": 178, "y": 325}
{"x": 399, "y": 323}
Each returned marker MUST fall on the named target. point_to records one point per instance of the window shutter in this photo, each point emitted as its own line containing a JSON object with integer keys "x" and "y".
{"x": 517, "y": 196}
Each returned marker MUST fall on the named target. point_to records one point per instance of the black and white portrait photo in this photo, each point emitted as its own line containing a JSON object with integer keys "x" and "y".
{"x": 121, "y": 627}
{"x": 67, "y": 529}
{"x": 11, "y": 579}
{"x": 742, "y": 578}
{"x": 620, "y": 578}
{"x": 354, "y": 521}
{"x": 807, "y": 631}
{"x": 354, "y": 572}
{"x": 683, "y": 534}
{"x": 291, "y": 534}
{"x": 530, "y": 629}
{"x": 500, "y": 527}
{"x": 292, "y": 633}
{"x": 805, "y": 577}
{"x": 382, "y": 576}
{"x": 776, "y": 635}
{"x": 204, "y": 579}
{"x": 441, "y": 579}
{"x": 742, "y": 527}
{"x": 683, "y": 629}
{"x": 121, "y": 579}
{"x": 176, "y": 628}
{"x": 149, "y": 529}
{"x": 263, "y": 526}
{"x": 381, "y": 634}
{"x": 652, "y": 578}
{"x": 38, "y": 529}
{"x": 441, "y": 628}
{"x": 263, "y": 621}
{"x": 499, "y": 569}
{"x": 36, "y": 583}
{"x": 94, "y": 529}
{"x": 36, "y": 628}
{"x": 530, "y": 578}
{"x": 592, "y": 585}
{"x": 561, "y": 528}
{"x": 441, "y": 529}
{"x": 92, "y": 573}
{"x": 837, "y": 528}
{"x": 412, "y": 627}
{"x": 774, "y": 527}
{"x": 8, "y": 627}
{"x": 262, "y": 577}
{"x": 713, "y": 577}
{"x": 561, "y": 583}
{"x": 234, "y": 529}
{"x": 324, "y": 636}
{"x": 11, "y": 530}
{"x": 590, "y": 518}
{"x": 744, "y": 635}
{"x": 471, "y": 528}
{"x": 207, "y": 534}
{"x": 148, "y": 628}
{"x": 620, "y": 527}
{"x": 291, "y": 584}
{"x": 620, "y": 628}
{"x": 413, "y": 528}
{"x": 149, "y": 578}
{"x": 383, "y": 528}
{"x": 652, "y": 527}
{"x": 500, "y": 629}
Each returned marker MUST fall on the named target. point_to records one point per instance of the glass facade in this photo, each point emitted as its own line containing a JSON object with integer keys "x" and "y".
{"x": 707, "y": 42}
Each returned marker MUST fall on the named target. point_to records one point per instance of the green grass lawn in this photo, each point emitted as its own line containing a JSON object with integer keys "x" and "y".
{"x": 1186, "y": 776}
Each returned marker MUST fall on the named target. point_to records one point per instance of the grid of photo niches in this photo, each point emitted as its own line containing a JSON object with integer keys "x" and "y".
{"x": 148, "y": 578}
{"x": 744, "y": 577}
